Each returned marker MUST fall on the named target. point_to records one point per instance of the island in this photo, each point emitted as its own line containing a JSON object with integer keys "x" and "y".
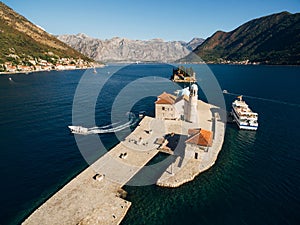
{"x": 183, "y": 75}
{"x": 188, "y": 129}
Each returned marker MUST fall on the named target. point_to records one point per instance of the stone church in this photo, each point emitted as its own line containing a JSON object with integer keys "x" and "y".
{"x": 180, "y": 107}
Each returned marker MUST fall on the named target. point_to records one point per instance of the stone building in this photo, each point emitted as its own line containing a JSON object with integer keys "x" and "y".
{"x": 180, "y": 107}
{"x": 199, "y": 140}
{"x": 169, "y": 107}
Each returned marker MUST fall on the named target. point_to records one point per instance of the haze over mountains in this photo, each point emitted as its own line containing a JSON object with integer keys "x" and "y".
{"x": 125, "y": 50}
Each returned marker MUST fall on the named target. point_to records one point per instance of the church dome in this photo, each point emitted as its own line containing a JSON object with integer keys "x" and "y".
{"x": 184, "y": 91}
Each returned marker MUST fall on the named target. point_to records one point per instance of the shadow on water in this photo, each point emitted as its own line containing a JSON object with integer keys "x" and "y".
{"x": 152, "y": 171}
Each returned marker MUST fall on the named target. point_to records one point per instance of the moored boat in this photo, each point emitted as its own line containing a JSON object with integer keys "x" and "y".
{"x": 244, "y": 117}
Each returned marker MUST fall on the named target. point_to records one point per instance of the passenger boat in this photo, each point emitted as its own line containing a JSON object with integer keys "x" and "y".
{"x": 244, "y": 117}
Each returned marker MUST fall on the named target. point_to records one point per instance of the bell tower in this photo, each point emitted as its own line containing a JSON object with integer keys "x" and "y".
{"x": 192, "y": 115}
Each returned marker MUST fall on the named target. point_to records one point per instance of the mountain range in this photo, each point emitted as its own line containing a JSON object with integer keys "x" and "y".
{"x": 125, "y": 50}
{"x": 273, "y": 39}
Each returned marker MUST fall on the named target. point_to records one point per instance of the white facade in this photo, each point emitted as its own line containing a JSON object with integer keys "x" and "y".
{"x": 192, "y": 112}
{"x": 164, "y": 111}
{"x": 179, "y": 108}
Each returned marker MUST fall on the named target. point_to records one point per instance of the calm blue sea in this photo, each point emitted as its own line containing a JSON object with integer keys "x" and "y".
{"x": 256, "y": 179}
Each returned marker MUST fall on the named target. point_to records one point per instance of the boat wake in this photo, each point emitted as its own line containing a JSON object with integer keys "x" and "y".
{"x": 263, "y": 99}
{"x": 11, "y": 80}
{"x": 103, "y": 129}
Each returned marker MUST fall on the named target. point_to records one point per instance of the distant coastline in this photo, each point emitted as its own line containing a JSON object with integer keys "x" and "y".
{"x": 237, "y": 63}
{"x": 118, "y": 63}
{"x": 49, "y": 70}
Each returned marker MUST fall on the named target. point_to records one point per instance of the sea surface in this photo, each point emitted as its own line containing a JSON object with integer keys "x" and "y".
{"x": 256, "y": 179}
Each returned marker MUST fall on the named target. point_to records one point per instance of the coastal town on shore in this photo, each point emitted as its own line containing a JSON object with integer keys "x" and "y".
{"x": 53, "y": 62}
{"x": 39, "y": 64}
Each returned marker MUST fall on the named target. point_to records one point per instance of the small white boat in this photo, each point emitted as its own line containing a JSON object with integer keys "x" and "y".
{"x": 225, "y": 92}
{"x": 10, "y": 79}
{"x": 243, "y": 115}
{"x": 142, "y": 114}
{"x": 95, "y": 71}
{"x": 78, "y": 130}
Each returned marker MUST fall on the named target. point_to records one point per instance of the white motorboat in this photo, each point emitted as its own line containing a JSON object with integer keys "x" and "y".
{"x": 78, "y": 130}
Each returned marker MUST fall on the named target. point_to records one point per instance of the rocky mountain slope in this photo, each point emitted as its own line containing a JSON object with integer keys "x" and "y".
{"x": 121, "y": 49}
{"x": 193, "y": 44}
{"x": 273, "y": 39}
{"x": 21, "y": 40}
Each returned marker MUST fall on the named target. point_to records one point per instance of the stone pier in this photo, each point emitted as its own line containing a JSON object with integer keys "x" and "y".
{"x": 86, "y": 200}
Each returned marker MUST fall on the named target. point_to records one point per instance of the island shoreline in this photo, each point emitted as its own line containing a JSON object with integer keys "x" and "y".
{"x": 99, "y": 201}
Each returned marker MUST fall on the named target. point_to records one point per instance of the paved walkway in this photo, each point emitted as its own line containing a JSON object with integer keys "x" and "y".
{"x": 85, "y": 200}
{"x": 82, "y": 201}
{"x": 88, "y": 201}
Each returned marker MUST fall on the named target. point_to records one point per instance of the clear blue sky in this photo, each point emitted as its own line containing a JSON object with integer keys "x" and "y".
{"x": 139, "y": 19}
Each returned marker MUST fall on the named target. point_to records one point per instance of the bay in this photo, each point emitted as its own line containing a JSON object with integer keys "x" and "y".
{"x": 255, "y": 180}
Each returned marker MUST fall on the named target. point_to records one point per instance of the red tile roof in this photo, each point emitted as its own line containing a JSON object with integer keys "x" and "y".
{"x": 166, "y": 98}
{"x": 200, "y": 137}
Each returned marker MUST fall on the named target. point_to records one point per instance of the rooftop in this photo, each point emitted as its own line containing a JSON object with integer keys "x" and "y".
{"x": 166, "y": 98}
{"x": 200, "y": 137}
